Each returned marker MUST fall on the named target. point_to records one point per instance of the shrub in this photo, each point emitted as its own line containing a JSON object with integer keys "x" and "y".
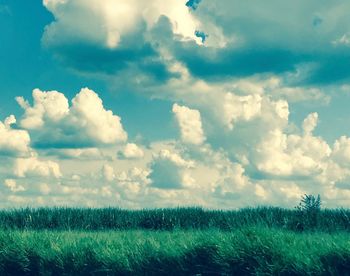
{"x": 309, "y": 211}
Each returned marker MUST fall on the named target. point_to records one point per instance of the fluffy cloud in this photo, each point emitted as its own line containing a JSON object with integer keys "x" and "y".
{"x": 190, "y": 124}
{"x": 13, "y": 142}
{"x": 110, "y": 42}
{"x": 341, "y": 151}
{"x": 310, "y": 123}
{"x": 33, "y": 167}
{"x": 108, "y": 173}
{"x": 12, "y": 185}
{"x": 293, "y": 45}
{"x": 193, "y": 54}
{"x": 293, "y": 155}
{"x": 117, "y": 34}
{"x": 171, "y": 171}
{"x": 81, "y": 154}
{"x": 84, "y": 124}
{"x": 117, "y": 18}
{"x": 131, "y": 151}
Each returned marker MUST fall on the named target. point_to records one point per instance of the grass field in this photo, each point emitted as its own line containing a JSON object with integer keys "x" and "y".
{"x": 191, "y": 241}
{"x": 170, "y": 219}
{"x": 249, "y": 251}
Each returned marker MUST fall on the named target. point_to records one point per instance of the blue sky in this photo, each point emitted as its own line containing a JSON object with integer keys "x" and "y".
{"x": 158, "y": 103}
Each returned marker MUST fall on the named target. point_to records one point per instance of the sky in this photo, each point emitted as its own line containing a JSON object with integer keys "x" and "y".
{"x": 150, "y": 103}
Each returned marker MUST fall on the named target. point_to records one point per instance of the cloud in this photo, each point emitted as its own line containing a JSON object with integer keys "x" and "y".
{"x": 84, "y": 124}
{"x": 131, "y": 151}
{"x": 170, "y": 171}
{"x": 344, "y": 40}
{"x": 13, "y": 142}
{"x": 108, "y": 173}
{"x": 12, "y": 185}
{"x": 302, "y": 34}
{"x": 79, "y": 154}
{"x": 280, "y": 154}
{"x": 190, "y": 123}
{"x": 216, "y": 40}
{"x": 33, "y": 167}
{"x": 113, "y": 36}
{"x": 341, "y": 151}
{"x": 310, "y": 123}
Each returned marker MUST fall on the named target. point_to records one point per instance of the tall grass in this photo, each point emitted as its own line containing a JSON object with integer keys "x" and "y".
{"x": 248, "y": 251}
{"x": 171, "y": 219}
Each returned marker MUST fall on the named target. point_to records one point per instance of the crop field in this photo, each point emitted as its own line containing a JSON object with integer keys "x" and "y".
{"x": 183, "y": 241}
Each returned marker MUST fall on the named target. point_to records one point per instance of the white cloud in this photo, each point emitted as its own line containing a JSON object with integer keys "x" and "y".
{"x": 44, "y": 189}
{"x": 110, "y": 22}
{"x": 344, "y": 40}
{"x": 341, "y": 151}
{"x": 108, "y": 173}
{"x": 190, "y": 124}
{"x": 86, "y": 123}
{"x": 81, "y": 154}
{"x": 131, "y": 151}
{"x": 310, "y": 123}
{"x": 50, "y": 106}
{"x": 292, "y": 155}
{"x": 12, "y": 185}
{"x": 240, "y": 108}
{"x": 28, "y": 167}
{"x": 292, "y": 191}
{"x": 13, "y": 142}
{"x": 171, "y": 171}
{"x": 101, "y": 125}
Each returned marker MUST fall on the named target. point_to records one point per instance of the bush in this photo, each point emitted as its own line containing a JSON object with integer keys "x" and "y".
{"x": 309, "y": 212}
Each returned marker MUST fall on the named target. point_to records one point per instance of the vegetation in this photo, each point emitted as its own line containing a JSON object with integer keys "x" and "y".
{"x": 307, "y": 240}
{"x": 248, "y": 251}
{"x": 302, "y": 219}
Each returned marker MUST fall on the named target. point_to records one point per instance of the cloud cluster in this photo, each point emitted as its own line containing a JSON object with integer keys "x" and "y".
{"x": 13, "y": 141}
{"x": 131, "y": 151}
{"x": 238, "y": 108}
{"x": 116, "y": 36}
{"x": 33, "y": 167}
{"x": 83, "y": 124}
{"x": 170, "y": 171}
{"x": 190, "y": 124}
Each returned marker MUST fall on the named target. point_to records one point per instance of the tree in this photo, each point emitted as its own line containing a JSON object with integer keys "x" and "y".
{"x": 309, "y": 208}
{"x": 310, "y": 203}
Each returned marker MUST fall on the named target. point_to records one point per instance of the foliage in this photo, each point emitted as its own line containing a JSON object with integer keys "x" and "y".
{"x": 309, "y": 210}
{"x": 310, "y": 203}
{"x": 245, "y": 251}
{"x": 325, "y": 220}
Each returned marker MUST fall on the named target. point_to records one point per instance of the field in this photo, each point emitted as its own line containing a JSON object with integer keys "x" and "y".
{"x": 191, "y": 241}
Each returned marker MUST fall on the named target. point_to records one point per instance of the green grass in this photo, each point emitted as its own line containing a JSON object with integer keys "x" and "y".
{"x": 171, "y": 219}
{"x": 249, "y": 251}
{"x": 181, "y": 241}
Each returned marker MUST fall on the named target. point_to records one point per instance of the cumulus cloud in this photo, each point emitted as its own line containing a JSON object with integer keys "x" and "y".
{"x": 85, "y": 123}
{"x": 113, "y": 19}
{"x": 81, "y": 154}
{"x": 190, "y": 124}
{"x": 341, "y": 151}
{"x": 13, "y": 142}
{"x": 33, "y": 167}
{"x": 131, "y": 151}
{"x": 292, "y": 155}
{"x": 310, "y": 123}
{"x": 12, "y": 185}
{"x": 301, "y": 36}
{"x": 117, "y": 34}
{"x": 108, "y": 173}
{"x": 249, "y": 143}
{"x": 170, "y": 171}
